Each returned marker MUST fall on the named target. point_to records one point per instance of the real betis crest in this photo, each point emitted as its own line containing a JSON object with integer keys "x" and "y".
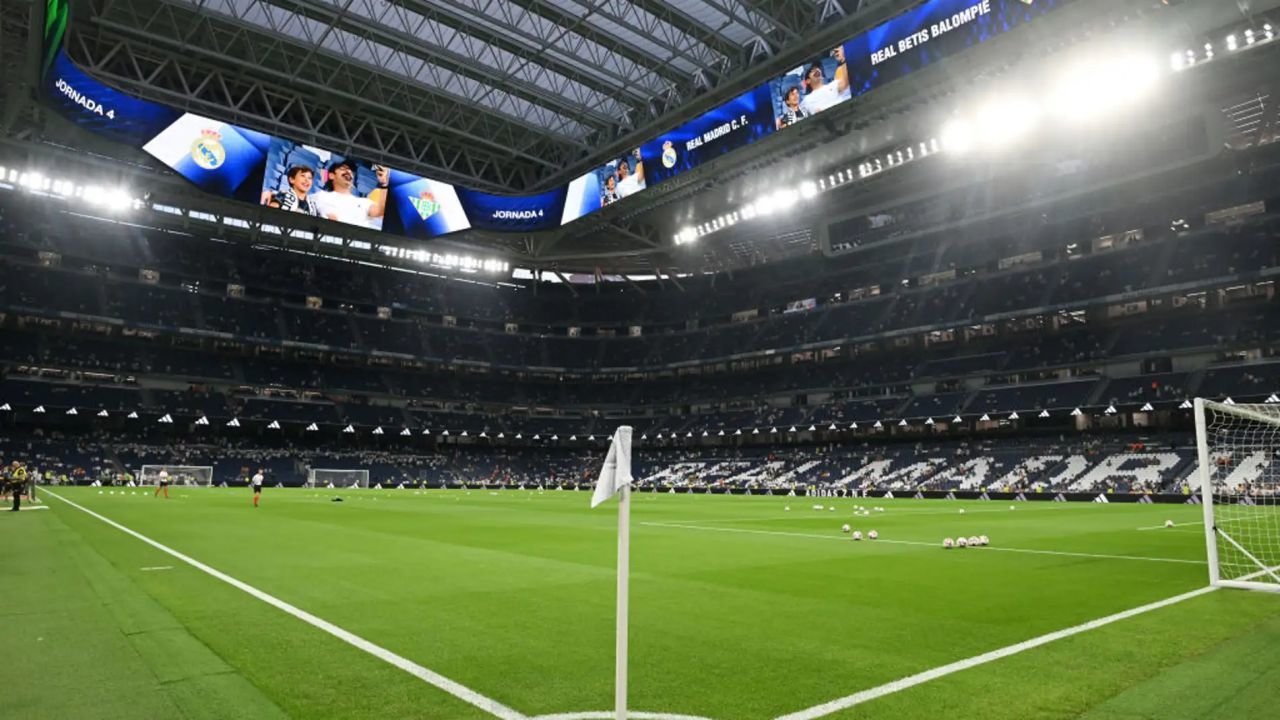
{"x": 425, "y": 204}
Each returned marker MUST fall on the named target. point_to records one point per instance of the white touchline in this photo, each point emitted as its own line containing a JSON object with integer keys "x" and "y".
{"x": 156, "y": 567}
{"x": 987, "y": 548}
{"x": 910, "y": 681}
{"x": 489, "y": 705}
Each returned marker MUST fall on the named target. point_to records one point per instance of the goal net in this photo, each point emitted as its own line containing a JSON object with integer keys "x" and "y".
{"x": 191, "y": 475}
{"x": 321, "y": 477}
{"x": 1239, "y": 469}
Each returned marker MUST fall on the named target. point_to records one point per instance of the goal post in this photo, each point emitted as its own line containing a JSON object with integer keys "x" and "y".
{"x": 188, "y": 475}
{"x": 1238, "y": 449}
{"x": 337, "y": 478}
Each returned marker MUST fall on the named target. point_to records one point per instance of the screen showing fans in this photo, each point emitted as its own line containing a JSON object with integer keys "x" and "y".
{"x": 285, "y": 175}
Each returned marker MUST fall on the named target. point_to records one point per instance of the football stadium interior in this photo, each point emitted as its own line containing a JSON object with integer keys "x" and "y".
{"x": 650, "y": 359}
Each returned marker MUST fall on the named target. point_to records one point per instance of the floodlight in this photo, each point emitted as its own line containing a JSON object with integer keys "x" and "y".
{"x": 785, "y": 199}
{"x": 1005, "y": 120}
{"x": 957, "y": 136}
{"x": 1096, "y": 87}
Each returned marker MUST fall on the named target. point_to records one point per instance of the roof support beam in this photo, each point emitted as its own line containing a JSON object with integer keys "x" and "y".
{"x": 287, "y": 28}
{"x": 557, "y": 91}
{"x": 581, "y": 56}
{"x": 684, "y": 23}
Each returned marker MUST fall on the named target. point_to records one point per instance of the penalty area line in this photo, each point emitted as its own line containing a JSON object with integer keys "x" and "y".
{"x": 489, "y": 705}
{"x": 911, "y": 681}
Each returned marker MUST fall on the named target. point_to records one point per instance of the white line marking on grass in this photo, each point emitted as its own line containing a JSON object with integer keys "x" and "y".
{"x": 1177, "y": 525}
{"x": 611, "y": 715}
{"x": 489, "y": 705}
{"x": 910, "y": 681}
{"x": 987, "y": 548}
{"x": 156, "y": 567}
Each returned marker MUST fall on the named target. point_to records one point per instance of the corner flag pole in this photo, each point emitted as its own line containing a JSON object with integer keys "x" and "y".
{"x": 615, "y": 479}
{"x": 624, "y": 575}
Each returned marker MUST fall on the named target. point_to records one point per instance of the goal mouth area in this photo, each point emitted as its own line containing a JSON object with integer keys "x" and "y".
{"x": 1238, "y": 450}
{"x": 178, "y": 475}
{"x": 337, "y": 478}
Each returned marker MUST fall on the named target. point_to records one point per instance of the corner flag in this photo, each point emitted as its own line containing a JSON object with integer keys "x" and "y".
{"x": 616, "y": 472}
{"x": 615, "y": 479}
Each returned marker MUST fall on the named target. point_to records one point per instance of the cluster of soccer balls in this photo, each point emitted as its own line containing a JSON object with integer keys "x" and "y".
{"x": 857, "y": 534}
{"x": 975, "y": 541}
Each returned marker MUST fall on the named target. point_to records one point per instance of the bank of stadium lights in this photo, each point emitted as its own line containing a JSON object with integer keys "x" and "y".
{"x": 450, "y": 261}
{"x": 110, "y": 199}
{"x": 1235, "y": 42}
{"x": 786, "y": 199}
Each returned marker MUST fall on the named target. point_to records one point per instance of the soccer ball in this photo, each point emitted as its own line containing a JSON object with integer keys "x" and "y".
{"x": 844, "y": 528}
{"x": 948, "y": 544}
{"x": 832, "y": 508}
{"x": 1168, "y": 523}
{"x": 1011, "y": 507}
{"x": 872, "y": 535}
{"x": 962, "y": 542}
{"x": 857, "y": 534}
{"x": 974, "y": 541}
{"x": 984, "y": 540}
{"x": 787, "y": 509}
{"x": 961, "y": 511}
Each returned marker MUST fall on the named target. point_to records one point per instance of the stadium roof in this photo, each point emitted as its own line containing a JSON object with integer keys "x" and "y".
{"x": 524, "y": 95}
{"x": 503, "y": 95}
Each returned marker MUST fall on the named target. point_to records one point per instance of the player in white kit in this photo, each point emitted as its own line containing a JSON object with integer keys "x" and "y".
{"x": 257, "y": 486}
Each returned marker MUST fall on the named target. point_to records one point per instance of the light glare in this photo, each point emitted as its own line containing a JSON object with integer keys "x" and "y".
{"x": 957, "y": 136}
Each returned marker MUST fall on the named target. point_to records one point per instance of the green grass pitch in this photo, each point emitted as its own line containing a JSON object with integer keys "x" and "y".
{"x": 740, "y": 609}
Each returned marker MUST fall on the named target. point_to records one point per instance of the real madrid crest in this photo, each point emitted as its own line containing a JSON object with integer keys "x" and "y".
{"x": 207, "y": 150}
{"x": 668, "y": 155}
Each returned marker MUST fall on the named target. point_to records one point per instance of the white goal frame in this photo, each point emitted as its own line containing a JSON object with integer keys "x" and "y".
{"x": 317, "y": 477}
{"x": 203, "y": 475}
{"x": 1218, "y": 541}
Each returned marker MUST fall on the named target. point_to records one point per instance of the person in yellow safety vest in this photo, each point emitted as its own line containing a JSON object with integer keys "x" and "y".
{"x": 16, "y": 483}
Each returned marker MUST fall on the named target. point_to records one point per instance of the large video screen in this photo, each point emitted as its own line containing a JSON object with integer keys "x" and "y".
{"x": 810, "y": 88}
{"x": 283, "y": 174}
{"x": 737, "y": 123}
{"x": 933, "y": 31}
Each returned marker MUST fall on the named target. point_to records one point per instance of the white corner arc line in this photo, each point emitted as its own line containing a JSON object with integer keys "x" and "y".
{"x": 918, "y": 543}
{"x": 489, "y": 705}
{"x": 910, "y": 681}
{"x": 611, "y": 715}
